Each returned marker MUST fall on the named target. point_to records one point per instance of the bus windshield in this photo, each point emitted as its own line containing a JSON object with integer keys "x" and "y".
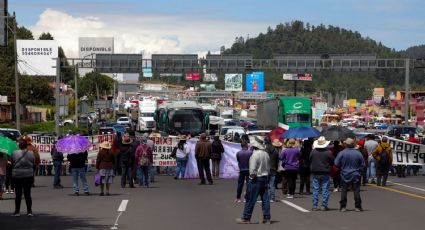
{"x": 186, "y": 121}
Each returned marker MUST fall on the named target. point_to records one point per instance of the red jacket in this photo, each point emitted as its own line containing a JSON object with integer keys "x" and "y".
{"x": 139, "y": 152}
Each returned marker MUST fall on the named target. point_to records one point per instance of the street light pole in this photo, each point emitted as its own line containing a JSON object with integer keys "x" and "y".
{"x": 17, "y": 101}
{"x": 76, "y": 95}
{"x": 113, "y": 97}
{"x": 57, "y": 96}
{"x": 406, "y": 95}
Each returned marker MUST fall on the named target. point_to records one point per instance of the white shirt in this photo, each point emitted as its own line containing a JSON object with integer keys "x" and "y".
{"x": 183, "y": 153}
{"x": 370, "y": 146}
{"x": 259, "y": 163}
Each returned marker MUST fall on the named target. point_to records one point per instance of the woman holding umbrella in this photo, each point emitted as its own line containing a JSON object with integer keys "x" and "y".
{"x": 105, "y": 166}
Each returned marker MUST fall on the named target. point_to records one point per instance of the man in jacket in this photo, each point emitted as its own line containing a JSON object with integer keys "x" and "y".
{"x": 274, "y": 160}
{"x": 203, "y": 151}
{"x": 321, "y": 160}
{"x": 78, "y": 170}
{"x": 383, "y": 155}
{"x": 259, "y": 169}
{"x": 127, "y": 161}
{"x": 57, "y": 158}
{"x": 351, "y": 162}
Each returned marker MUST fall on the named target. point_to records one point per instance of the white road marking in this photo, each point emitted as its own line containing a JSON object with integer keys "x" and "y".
{"x": 299, "y": 208}
{"x": 408, "y": 186}
{"x": 123, "y": 206}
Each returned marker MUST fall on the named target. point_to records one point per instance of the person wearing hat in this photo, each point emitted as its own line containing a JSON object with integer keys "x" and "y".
{"x": 105, "y": 166}
{"x": 57, "y": 158}
{"x": 351, "y": 163}
{"x": 290, "y": 158}
{"x": 182, "y": 155}
{"x": 217, "y": 151}
{"x": 203, "y": 151}
{"x": 383, "y": 155}
{"x": 259, "y": 169}
{"x": 127, "y": 161}
{"x": 271, "y": 149}
{"x": 321, "y": 161}
{"x": 146, "y": 139}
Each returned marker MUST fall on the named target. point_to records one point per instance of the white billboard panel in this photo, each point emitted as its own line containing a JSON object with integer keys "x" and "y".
{"x": 95, "y": 45}
{"x": 36, "y": 57}
{"x": 233, "y": 82}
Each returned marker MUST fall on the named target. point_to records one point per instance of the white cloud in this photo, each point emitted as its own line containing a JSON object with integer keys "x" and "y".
{"x": 145, "y": 34}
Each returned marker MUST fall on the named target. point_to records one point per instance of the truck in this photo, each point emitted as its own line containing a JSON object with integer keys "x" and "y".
{"x": 146, "y": 121}
{"x": 181, "y": 117}
{"x": 292, "y": 111}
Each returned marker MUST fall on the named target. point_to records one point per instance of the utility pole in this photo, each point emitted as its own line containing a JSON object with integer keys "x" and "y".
{"x": 76, "y": 95}
{"x": 57, "y": 96}
{"x": 17, "y": 102}
{"x": 406, "y": 94}
{"x": 113, "y": 97}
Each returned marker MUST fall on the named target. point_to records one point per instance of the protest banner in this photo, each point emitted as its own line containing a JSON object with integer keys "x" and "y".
{"x": 163, "y": 146}
{"x": 407, "y": 153}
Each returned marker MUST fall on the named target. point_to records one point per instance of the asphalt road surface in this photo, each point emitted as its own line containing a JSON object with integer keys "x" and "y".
{"x": 171, "y": 204}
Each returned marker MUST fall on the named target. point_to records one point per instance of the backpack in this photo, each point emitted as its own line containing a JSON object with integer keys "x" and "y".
{"x": 385, "y": 157}
{"x": 144, "y": 158}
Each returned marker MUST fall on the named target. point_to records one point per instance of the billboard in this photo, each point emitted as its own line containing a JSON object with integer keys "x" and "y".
{"x": 95, "y": 45}
{"x": 207, "y": 87}
{"x": 255, "y": 82}
{"x": 378, "y": 93}
{"x": 233, "y": 82}
{"x": 192, "y": 76}
{"x": 36, "y": 57}
{"x": 297, "y": 77}
{"x": 210, "y": 77}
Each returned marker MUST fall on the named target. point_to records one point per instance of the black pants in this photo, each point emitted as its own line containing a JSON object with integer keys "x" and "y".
{"x": 127, "y": 174}
{"x": 400, "y": 170}
{"x": 355, "y": 184}
{"x": 291, "y": 177}
{"x": 382, "y": 175}
{"x": 204, "y": 165}
{"x": 243, "y": 177}
{"x": 23, "y": 185}
{"x": 9, "y": 181}
{"x": 305, "y": 180}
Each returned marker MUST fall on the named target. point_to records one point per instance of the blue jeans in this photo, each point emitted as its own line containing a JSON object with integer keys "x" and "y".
{"x": 151, "y": 173}
{"x": 258, "y": 187}
{"x": 79, "y": 172}
{"x": 371, "y": 169}
{"x": 272, "y": 188}
{"x": 143, "y": 172}
{"x": 58, "y": 170}
{"x": 321, "y": 181}
{"x": 181, "y": 167}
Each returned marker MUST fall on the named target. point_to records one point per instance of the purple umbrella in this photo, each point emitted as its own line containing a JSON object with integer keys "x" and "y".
{"x": 73, "y": 144}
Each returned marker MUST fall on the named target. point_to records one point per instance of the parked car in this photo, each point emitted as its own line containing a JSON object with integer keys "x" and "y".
{"x": 231, "y": 130}
{"x": 119, "y": 128}
{"x": 120, "y": 114}
{"x": 124, "y": 121}
{"x": 393, "y": 130}
{"x": 106, "y": 130}
{"x": 66, "y": 122}
{"x": 381, "y": 126}
{"x": 11, "y": 133}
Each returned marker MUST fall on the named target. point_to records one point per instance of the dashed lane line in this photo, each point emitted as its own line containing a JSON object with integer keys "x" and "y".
{"x": 408, "y": 186}
{"x": 299, "y": 208}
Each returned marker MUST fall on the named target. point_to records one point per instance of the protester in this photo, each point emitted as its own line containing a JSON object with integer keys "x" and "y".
{"x": 237, "y": 138}
{"x": 127, "y": 162}
{"x": 151, "y": 170}
{"x": 144, "y": 158}
{"x": 259, "y": 168}
{"x": 105, "y": 164}
{"x": 290, "y": 159}
{"x": 335, "y": 171}
{"x": 10, "y": 187}
{"x": 216, "y": 152}
{"x": 182, "y": 156}
{"x": 305, "y": 166}
{"x": 383, "y": 156}
{"x": 203, "y": 150}
{"x": 154, "y": 134}
{"x": 274, "y": 161}
{"x": 116, "y": 146}
{"x": 57, "y": 158}
{"x": 370, "y": 145}
{"x": 33, "y": 149}
{"x": 365, "y": 155}
{"x": 351, "y": 162}
{"x": 3, "y": 165}
{"x": 321, "y": 160}
{"x": 134, "y": 144}
{"x": 78, "y": 170}
{"x": 23, "y": 163}
{"x": 242, "y": 157}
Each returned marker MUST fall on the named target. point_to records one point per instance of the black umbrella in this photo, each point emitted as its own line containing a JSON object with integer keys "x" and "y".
{"x": 337, "y": 133}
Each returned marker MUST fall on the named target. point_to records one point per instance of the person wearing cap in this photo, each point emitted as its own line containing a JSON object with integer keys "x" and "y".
{"x": 182, "y": 155}
{"x": 78, "y": 170}
{"x": 383, "y": 155}
{"x": 146, "y": 138}
{"x": 274, "y": 160}
{"x": 105, "y": 162}
{"x": 203, "y": 151}
{"x": 242, "y": 157}
{"x": 290, "y": 158}
{"x": 351, "y": 163}
{"x": 57, "y": 158}
{"x": 216, "y": 152}
{"x": 144, "y": 159}
{"x": 127, "y": 161}
{"x": 370, "y": 145}
{"x": 321, "y": 161}
{"x": 259, "y": 169}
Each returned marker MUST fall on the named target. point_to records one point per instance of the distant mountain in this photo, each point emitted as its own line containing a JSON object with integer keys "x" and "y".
{"x": 417, "y": 52}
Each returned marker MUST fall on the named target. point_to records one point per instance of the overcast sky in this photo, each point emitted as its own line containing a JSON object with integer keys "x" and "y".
{"x": 189, "y": 26}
